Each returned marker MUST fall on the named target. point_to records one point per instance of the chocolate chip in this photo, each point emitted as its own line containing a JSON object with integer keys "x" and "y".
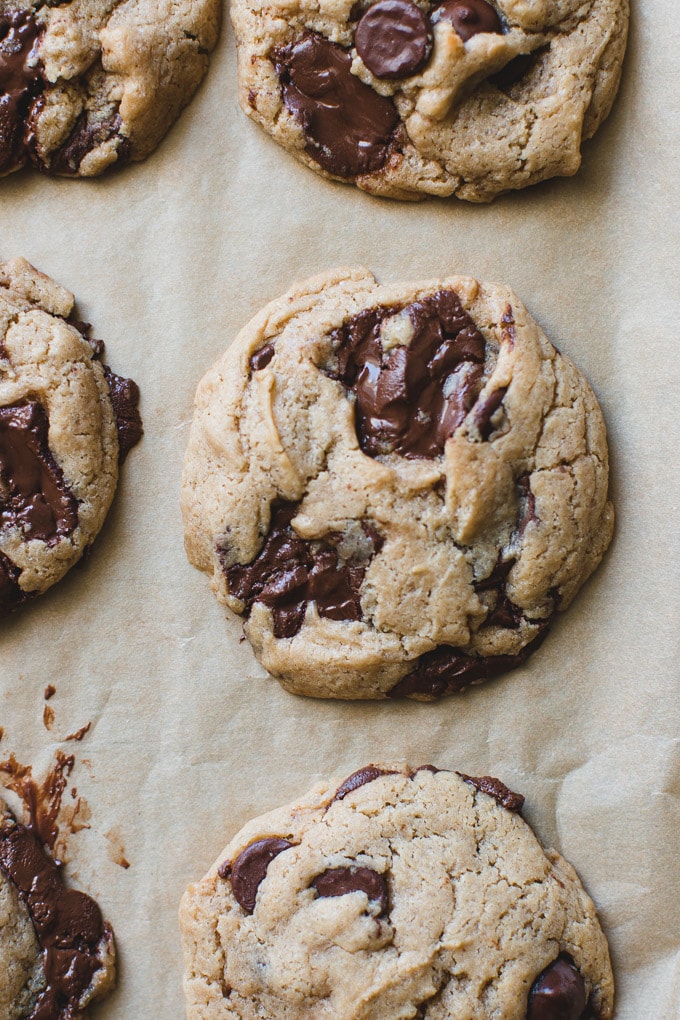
{"x": 485, "y": 410}
{"x": 250, "y": 867}
{"x": 339, "y": 881}
{"x": 348, "y": 126}
{"x": 394, "y": 39}
{"x": 469, "y": 17}
{"x": 67, "y": 923}
{"x": 447, "y": 670}
{"x": 501, "y": 793}
{"x": 411, "y": 398}
{"x": 11, "y": 595}
{"x": 33, "y": 493}
{"x": 260, "y": 359}
{"x": 497, "y": 578}
{"x": 289, "y": 572}
{"x": 88, "y": 134}
{"x": 125, "y": 397}
{"x": 359, "y": 778}
{"x": 558, "y": 993}
{"x": 527, "y": 504}
{"x": 20, "y": 82}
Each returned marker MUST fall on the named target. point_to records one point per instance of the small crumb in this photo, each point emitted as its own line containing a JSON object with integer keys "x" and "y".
{"x": 48, "y": 717}
{"x": 79, "y": 734}
{"x": 50, "y": 691}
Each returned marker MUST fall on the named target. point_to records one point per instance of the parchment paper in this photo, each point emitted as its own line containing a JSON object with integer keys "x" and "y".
{"x": 189, "y": 738}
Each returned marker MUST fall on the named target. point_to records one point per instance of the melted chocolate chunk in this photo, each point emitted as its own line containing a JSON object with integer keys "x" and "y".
{"x": 558, "y": 993}
{"x": 505, "y": 613}
{"x": 485, "y": 410}
{"x": 394, "y": 39}
{"x": 501, "y": 793}
{"x": 11, "y": 595}
{"x": 124, "y": 398}
{"x": 20, "y": 82}
{"x": 260, "y": 359}
{"x": 68, "y": 924}
{"x": 447, "y": 670}
{"x": 411, "y": 399}
{"x": 339, "y": 881}
{"x": 86, "y": 135}
{"x": 33, "y": 493}
{"x": 527, "y": 504}
{"x": 469, "y": 17}
{"x": 290, "y": 571}
{"x": 359, "y": 778}
{"x": 348, "y": 126}
{"x": 250, "y": 867}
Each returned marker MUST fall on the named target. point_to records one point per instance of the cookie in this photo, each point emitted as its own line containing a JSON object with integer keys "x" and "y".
{"x": 457, "y": 97}
{"x": 88, "y": 86}
{"x": 397, "y": 893}
{"x": 56, "y": 952}
{"x": 398, "y": 486}
{"x": 66, "y": 422}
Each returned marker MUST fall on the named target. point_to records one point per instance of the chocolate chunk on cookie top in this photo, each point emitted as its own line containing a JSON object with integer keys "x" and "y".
{"x": 66, "y": 421}
{"x": 56, "y": 951}
{"x": 396, "y": 486}
{"x": 417, "y": 893}
{"x": 85, "y": 87}
{"x": 458, "y": 97}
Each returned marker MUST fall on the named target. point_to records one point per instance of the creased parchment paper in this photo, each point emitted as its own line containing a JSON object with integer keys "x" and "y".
{"x": 189, "y": 739}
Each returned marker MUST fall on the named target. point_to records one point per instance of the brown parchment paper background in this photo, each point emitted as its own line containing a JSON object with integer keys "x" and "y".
{"x": 189, "y": 738}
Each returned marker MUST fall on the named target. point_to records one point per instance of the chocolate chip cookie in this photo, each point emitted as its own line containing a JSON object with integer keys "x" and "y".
{"x": 439, "y": 97}
{"x": 398, "y": 486}
{"x": 56, "y": 951}
{"x": 88, "y": 86}
{"x": 397, "y": 893}
{"x": 66, "y": 422}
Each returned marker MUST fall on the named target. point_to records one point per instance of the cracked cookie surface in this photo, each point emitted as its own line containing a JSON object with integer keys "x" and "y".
{"x": 397, "y": 485}
{"x": 56, "y": 952}
{"x": 66, "y": 422}
{"x": 86, "y": 85}
{"x": 460, "y": 97}
{"x": 397, "y": 893}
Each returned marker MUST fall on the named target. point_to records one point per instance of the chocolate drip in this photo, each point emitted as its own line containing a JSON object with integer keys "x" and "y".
{"x": 125, "y": 398}
{"x": 68, "y": 924}
{"x": 411, "y": 399}
{"x": 290, "y": 571}
{"x": 88, "y": 134}
{"x": 33, "y": 493}
{"x": 447, "y": 670}
{"x": 20, "y": 82}
{"x": 250, "y": 867}
{"x": 558, "y": 993}
{"x": 359, "y": 778}
{"x": 394, "y": 39}
{"x": 11, "y": 595}
{"x": 501, "y": 793}
{"x": 349, "y": 127}
{"x": 469, "y": 17}
{"x": 339, "y": 881}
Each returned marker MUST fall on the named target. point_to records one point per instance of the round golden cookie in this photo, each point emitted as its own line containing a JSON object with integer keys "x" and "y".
{"x": 85, "y": 86}
{"x": 66, "y": 421}
{"x": 406, "y": 99}
{"x": 397, "y": 485}
{"x": 397, "y": 893}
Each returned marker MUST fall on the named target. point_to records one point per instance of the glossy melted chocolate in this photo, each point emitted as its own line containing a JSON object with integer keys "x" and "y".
{"x": 558, "y": 993}
{"x": 501, "y": 793}
{"x": 411, "y": 399}
{"x": 359, "y": 778}
{"x": 68, "y": 924}
{"x": 248, "y": 870}
{"x": 348, "y": 126}
{"x": 340, "y": 881}
{"x": 394, "y": 38}
{"x": 447, "y": 670}
{"x": 21, "y": 82}
{"x": 33, "y": 493}
{"x": 469, "y": 17}
{"x": 290, "y": 571}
